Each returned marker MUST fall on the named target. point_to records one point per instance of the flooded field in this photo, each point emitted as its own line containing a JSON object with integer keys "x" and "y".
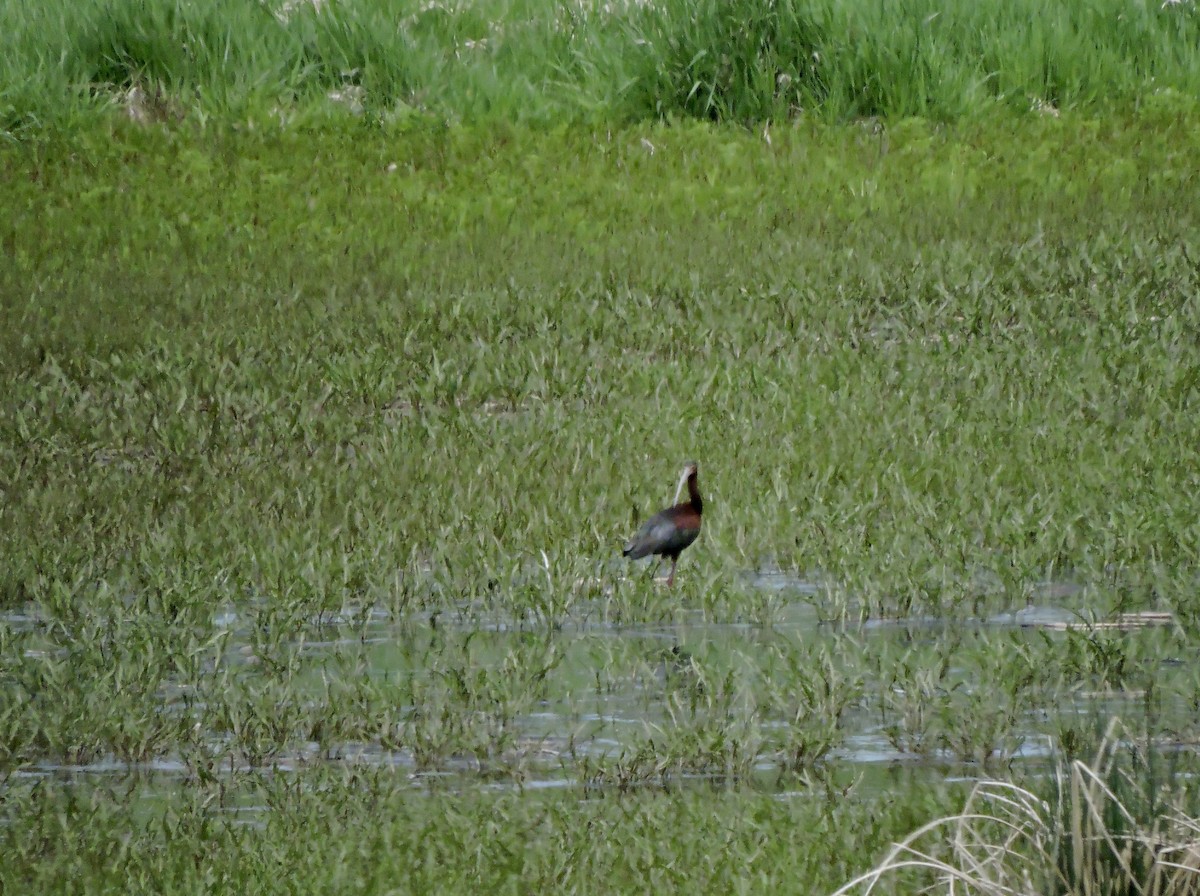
{"x": 474, "y": 698}
{"x": 319, "y": 448}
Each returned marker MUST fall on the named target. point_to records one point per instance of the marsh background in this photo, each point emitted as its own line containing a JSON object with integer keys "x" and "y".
{"x": 342, "y": 346}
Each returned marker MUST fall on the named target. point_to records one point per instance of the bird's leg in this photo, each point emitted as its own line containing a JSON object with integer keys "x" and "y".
{"x": 671, "y": 577}
{"x": 654, "y": 566}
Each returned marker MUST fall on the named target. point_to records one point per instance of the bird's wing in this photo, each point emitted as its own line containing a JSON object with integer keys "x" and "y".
{"x": 663, "y": 532}
{"x": 659, "y": 530}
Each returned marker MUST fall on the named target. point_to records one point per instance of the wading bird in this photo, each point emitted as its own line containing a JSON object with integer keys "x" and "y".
{"x": 669, "y": 531}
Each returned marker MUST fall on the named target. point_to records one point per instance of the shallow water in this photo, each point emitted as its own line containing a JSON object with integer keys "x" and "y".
{"x": 615, "y": 688}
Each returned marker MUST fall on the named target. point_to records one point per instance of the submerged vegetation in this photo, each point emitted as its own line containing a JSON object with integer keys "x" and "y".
{"x": 339, "y": 354}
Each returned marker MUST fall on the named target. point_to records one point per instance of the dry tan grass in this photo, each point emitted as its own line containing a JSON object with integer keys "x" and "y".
{"x": 1008, "y": 841}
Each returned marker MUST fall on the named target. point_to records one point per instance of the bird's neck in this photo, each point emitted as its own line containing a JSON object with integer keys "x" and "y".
{"x": 694, "y": 494}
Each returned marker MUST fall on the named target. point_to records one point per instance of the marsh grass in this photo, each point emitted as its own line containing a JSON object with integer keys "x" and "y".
{"x": 375, "y": 836}
{"x": 1117, "y": 824}
{"x": 261, "y": 375}
{"x": 318, "y": 445}
{"x": 748, "y": 61}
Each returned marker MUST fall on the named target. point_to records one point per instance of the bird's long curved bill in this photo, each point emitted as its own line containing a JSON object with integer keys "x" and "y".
{"x": 682, "y": 482}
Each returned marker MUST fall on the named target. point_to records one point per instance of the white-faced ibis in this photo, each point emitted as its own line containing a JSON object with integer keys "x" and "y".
{"x": 669, "y": 531}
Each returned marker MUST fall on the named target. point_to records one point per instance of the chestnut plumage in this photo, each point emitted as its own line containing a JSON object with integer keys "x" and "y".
{"x": 669, "y": 531}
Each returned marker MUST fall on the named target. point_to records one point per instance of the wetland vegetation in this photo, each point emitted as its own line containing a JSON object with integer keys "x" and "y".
{"x": 323, "y": 422}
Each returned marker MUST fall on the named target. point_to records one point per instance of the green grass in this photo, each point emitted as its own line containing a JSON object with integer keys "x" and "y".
{"x": 359, "y": 832}
{"x": 507, "y": 60}
{"x": 318, "y": 444}
{"x": 902, "y": 384}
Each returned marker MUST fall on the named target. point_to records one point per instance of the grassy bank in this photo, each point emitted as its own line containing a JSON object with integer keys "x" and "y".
{"x": 520, "y": 60}
{"x": 318, "y": 444}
